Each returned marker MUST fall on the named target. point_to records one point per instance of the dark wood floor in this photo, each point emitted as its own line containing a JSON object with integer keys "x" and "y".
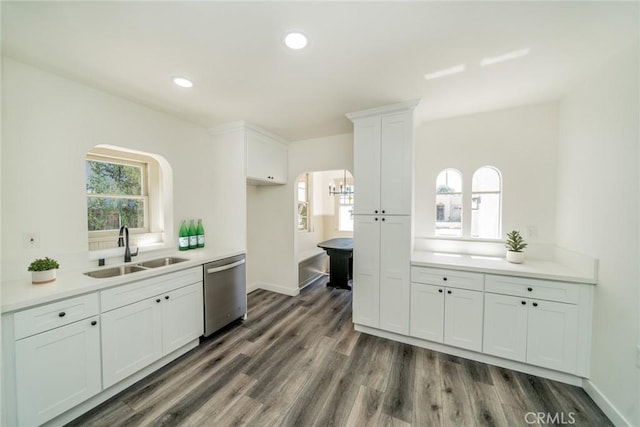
{"x": 296, "y": 361}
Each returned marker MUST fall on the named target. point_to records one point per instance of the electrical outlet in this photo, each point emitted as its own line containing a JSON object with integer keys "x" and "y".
{"x": 532, "y": 232}
{"x": 31, "y": 240}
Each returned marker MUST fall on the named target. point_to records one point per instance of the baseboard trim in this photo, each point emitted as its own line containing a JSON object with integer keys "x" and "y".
{"x": 275, "y": 288}
{"x": 605, "y": 404}
{"x": 252, "y": 287}
{"x": 469, "y": 354}
{"x": 311, "y": 280}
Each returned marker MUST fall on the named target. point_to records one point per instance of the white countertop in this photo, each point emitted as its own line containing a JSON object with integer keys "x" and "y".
{"x": 21, "y": 294}
{"x": 532, "y": 268}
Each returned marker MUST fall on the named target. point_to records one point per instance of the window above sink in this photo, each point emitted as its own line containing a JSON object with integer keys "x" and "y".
{"x": 127, "y": 187}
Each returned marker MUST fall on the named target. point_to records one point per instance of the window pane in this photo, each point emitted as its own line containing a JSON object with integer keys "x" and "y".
{"x": 302, "y": 192}
{"x": 105, "y": 213}
{"x": 449, "y": 181}
{"x": 303, "y": 216}
{"x": 449, "y": 215}
{"x": 485, "y": 215}
{"x": 486, "y": 179}
{"x": 302, "y": 188}
{"x": 345, "y": 218}
{"x": 113, "y": 179}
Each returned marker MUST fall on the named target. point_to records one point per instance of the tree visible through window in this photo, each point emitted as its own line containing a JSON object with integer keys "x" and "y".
{"x": 449, "y": 203}
{"x": 486, "y": 194}
{"x": 116, "y": 194}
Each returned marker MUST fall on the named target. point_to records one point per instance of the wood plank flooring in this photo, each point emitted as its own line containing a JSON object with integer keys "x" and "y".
{"x": 297, "y": 361}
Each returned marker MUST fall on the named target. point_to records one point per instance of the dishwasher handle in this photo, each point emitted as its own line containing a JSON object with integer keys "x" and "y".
{"x": 225, "y": 267}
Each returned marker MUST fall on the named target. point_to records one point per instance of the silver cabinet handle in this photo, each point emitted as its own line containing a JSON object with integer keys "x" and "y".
{"x": 225, "y": 267}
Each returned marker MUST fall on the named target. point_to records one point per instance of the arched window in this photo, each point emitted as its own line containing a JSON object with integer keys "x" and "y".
{"x": 449, "y": 203}
{"x": 127, "y": 187}
{"x": 486, "y": 203}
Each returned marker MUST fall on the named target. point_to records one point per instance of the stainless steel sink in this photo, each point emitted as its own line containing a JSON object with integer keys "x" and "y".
{"x": 115, "y": 271}
{"x": 133, "y": 268}
{"x": 161, "y": 262}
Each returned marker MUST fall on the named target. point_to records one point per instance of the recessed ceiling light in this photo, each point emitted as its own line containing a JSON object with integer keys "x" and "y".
{"x": 295, "y": 40}
{"x": 505, "y": 57}
{"x": 447, "y": 71}
{"x": 182, "y": 82}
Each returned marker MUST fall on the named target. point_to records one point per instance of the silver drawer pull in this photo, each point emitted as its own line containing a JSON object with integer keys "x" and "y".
{"x": 225, "y": 267}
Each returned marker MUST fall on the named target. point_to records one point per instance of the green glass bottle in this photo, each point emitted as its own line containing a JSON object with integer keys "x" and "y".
{"x": 183, "y": 237}
{"x": 200, "y": 234}
{"x": 193, "y": 237}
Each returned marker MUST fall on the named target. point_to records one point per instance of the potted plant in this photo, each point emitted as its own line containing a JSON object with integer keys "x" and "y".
{"x": 43, "y": 270}
{"x": 515, "y": 244}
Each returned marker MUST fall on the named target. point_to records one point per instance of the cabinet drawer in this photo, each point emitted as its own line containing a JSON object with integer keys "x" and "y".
{"x": 138, "y": 291}
{"x": 49, "y": 316}
{"x": 449, "y": 278}
{"x": 533, "y": 288}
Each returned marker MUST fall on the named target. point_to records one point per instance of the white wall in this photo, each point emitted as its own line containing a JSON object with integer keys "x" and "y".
{"x": 272, "y": 211}
{"x": 520, "y": 142}
{"x": 598, "y": 197}
{"x": 49, "y": 123}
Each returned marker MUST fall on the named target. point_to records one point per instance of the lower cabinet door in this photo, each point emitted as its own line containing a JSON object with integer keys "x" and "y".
{"x": 552, "y": 341}
{"x": 505, "y": 326}
{"x": 182, "y": 317}
{"x": 427, "y": 312}
{"x": 131, "y": 339}
{"x": 56, "y": 370}
{"x": 463, "y": 311}
{"x": 366, "y": 271}
{"x": 395, "y": 273}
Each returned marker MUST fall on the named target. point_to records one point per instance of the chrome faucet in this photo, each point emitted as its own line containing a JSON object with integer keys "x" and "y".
{"x": 125, "y": 243}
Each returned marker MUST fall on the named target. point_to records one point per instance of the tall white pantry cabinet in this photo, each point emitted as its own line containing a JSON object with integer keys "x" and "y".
{"x": 383, "y": 146}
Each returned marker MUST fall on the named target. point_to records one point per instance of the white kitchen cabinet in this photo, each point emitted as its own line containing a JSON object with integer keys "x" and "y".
{"x": 366, "y": 165}
{"x": 383, "y": 146}
{"x": 552, "y": 335}
{"x": 131, "y": 339}
{"x": 366, "y": 271}
{"x": 395, "y": 273}
{"x": 182, "y": 318}
{"x": 463, "y": 312}
{"x": 381, "y": 282}
{"x": 427, "y": 312}
{"x": 536, "y": 331}
{"x": 266, "y": 159}
{"x": 56, "y": 370}
{"x": 136, "y": 335}
{"x": 505, "y": 326}
{"x": 447, "y": 315}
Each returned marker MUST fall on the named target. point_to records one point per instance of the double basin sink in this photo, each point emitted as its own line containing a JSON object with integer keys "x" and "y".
{"x": 133, "y": 268}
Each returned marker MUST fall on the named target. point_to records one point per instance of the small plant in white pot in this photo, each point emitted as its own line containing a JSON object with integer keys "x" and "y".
{"x": 515, "y": 244}
{"x": 43, "y": 270}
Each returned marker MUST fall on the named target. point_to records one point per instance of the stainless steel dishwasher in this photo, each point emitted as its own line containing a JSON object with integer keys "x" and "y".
{"x": 225, "y": 292}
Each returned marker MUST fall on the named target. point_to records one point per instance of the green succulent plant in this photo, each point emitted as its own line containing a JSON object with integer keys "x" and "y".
{"x": 43, "y": 264}
{"x": 515, "y": 242}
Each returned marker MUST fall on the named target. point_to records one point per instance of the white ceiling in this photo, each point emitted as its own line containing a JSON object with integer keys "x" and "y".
{"x": 360, "y": 54}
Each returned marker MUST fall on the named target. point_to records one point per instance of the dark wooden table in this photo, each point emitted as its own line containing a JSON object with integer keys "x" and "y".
{"x": 340, "y": 251}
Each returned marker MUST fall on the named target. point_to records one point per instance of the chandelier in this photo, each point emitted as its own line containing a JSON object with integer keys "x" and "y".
{"x": 344, "y": 189}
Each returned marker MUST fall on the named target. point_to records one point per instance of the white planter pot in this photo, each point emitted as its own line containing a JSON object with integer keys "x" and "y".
{"x": 515, "y": 257}
{"x": 42, "y": 277}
